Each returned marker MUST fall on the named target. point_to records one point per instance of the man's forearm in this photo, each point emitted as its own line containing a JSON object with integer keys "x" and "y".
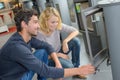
{"x": 83, "y": 70}
{"x": 70, "y": 72}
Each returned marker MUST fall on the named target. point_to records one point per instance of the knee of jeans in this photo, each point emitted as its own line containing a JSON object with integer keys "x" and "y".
{"x": 40, "y": 52}
{"x": 68, "y": 66}
{"x": 51, "y": 63}
{"x": 76, "y": 41}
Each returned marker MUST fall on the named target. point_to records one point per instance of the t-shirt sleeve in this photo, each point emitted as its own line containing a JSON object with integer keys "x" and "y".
{"x": 68, "y": 29}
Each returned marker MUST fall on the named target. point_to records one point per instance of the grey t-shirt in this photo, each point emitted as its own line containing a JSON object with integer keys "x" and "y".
{"x": 54, "y": 38}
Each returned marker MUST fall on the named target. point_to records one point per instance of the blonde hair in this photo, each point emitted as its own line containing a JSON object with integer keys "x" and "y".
{"x": 45, "y": 16}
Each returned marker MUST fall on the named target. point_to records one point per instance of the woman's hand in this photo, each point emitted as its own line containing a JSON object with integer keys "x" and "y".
{"x": 64, "y": 56}
{"x": 58, "y": 65}
{"x": 65, "y": 47}
{"x": 54, "y": 57}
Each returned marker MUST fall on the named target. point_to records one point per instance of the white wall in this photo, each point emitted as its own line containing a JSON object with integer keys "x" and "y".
{"x": 63, "y": 10}
{"x": 94, "y": 2}
{"x": 41, "y": 4}
{"x": 28, "y": 4}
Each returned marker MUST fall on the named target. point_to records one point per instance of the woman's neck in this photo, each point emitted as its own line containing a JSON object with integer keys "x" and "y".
{"x": 47, "y": 33}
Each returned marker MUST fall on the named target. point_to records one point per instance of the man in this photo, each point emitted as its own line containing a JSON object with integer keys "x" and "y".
{"x": 17, "y": 62}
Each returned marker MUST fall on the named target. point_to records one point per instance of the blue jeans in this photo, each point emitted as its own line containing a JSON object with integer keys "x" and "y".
{"x": 41, "y": 55}
{"x": 64, "y": 62}
{"x": 74, "y": 47}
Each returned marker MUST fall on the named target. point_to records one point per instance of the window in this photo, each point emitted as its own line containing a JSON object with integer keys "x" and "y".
{"x": 2, "y": 5}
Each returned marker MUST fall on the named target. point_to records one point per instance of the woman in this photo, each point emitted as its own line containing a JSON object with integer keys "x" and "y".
{"x": 51, "y": 28}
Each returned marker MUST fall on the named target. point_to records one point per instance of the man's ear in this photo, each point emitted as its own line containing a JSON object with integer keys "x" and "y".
{"x": 23, "y": 24}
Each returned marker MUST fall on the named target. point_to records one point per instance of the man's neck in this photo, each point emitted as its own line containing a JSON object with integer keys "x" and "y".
{"x": 25, "y": 36}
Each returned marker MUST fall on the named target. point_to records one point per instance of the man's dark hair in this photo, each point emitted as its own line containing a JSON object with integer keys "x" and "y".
{"x": 23, "y": 15}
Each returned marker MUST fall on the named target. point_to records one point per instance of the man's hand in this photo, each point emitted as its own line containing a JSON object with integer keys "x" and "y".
{"x": 86, "y": 69}
{"x": 80, "y": 71}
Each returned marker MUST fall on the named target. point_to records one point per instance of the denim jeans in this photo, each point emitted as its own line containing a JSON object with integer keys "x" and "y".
{"x": 41, "y": 55}
{"x": 74, "y": 48}
{"x": 64, "y": 62}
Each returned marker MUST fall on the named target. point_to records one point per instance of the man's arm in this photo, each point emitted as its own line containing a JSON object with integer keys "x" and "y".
{"x": 37, "y": 44}
{"x": 24, "y": 57}
{"x": 82, "y": 71}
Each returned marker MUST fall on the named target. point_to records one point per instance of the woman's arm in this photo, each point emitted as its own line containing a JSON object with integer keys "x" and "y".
{"x": 56, "y": 60}
{"x": 67, "y": 39}
{"x": 71, "y": 36}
